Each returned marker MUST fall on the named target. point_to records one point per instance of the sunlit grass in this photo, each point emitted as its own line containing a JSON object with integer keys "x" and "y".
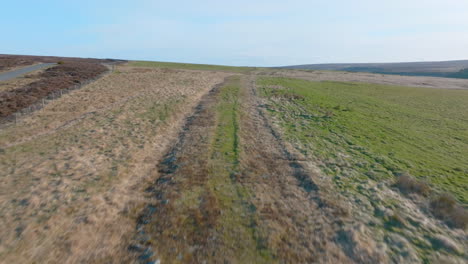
{"x": 383, "y": 129}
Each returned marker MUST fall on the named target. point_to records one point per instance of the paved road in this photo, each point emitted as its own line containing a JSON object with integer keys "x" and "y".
{"x": 16, "y": 73}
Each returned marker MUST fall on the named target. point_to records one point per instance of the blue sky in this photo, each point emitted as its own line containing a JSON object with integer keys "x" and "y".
{"x": 241, "y": 32}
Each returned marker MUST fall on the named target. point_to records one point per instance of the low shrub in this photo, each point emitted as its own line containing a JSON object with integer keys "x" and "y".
{"x": 445, "y": 207}
{"x": 408, "y": 184}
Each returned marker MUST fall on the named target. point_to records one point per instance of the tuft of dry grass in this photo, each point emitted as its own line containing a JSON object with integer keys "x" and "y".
{"x": 408, "y": 184}
{"x": 446, "y": 207}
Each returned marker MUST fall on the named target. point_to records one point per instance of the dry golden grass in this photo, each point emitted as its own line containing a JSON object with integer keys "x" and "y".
{"x": 444, "y": 206}
{"x": 71, "y": 174}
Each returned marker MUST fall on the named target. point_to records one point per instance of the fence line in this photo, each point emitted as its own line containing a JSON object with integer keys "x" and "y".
{"x": 15, "y": 117}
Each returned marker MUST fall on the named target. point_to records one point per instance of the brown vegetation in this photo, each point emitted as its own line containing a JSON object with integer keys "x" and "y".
{"x": 21, "y": 81}
{"x": 71, "y": 175}
{"x": 445, "y": 207}
{"x": 414, "y": 81}
{"x": 408, "y": 184}
{"x": 8, "y": 62}
{"x": 175, "y": 203}
{"x": 53, "y": 79}
{"x": 73, "y": 178}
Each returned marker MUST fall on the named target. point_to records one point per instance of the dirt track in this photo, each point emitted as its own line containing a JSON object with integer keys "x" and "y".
{"x": 82, "y": 210}
{"x": 183, "y": 167}
{"x": 269, "y": 205}
{"x": 273, "y": 207}
{"x": 119, "y": 177}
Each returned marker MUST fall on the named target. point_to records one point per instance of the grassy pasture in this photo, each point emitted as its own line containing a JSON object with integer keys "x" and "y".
{"x": 377, "y": 130}
{"x": 189, "y": 66}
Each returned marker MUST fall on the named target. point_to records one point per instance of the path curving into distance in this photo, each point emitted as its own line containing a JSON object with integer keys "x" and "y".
{"x": 16, "y": 73}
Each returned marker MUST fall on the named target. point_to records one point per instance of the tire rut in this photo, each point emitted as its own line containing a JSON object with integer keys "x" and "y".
{"x": 185, "y": 160}
{"x": 187, "y": 219}
{"x": 278, "y": 208}
{"x": 297, "y": 217}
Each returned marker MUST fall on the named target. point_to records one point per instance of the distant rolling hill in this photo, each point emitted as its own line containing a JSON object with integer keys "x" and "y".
{"x": 450, "y": 69}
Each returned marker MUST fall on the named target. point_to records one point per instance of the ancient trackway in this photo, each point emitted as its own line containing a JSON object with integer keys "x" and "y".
{"x": 267, "y": 205}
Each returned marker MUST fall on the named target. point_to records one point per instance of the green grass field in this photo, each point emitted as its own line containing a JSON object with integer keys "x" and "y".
{"x": 188, "y": 66}
{"x": 377, "y": 130}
